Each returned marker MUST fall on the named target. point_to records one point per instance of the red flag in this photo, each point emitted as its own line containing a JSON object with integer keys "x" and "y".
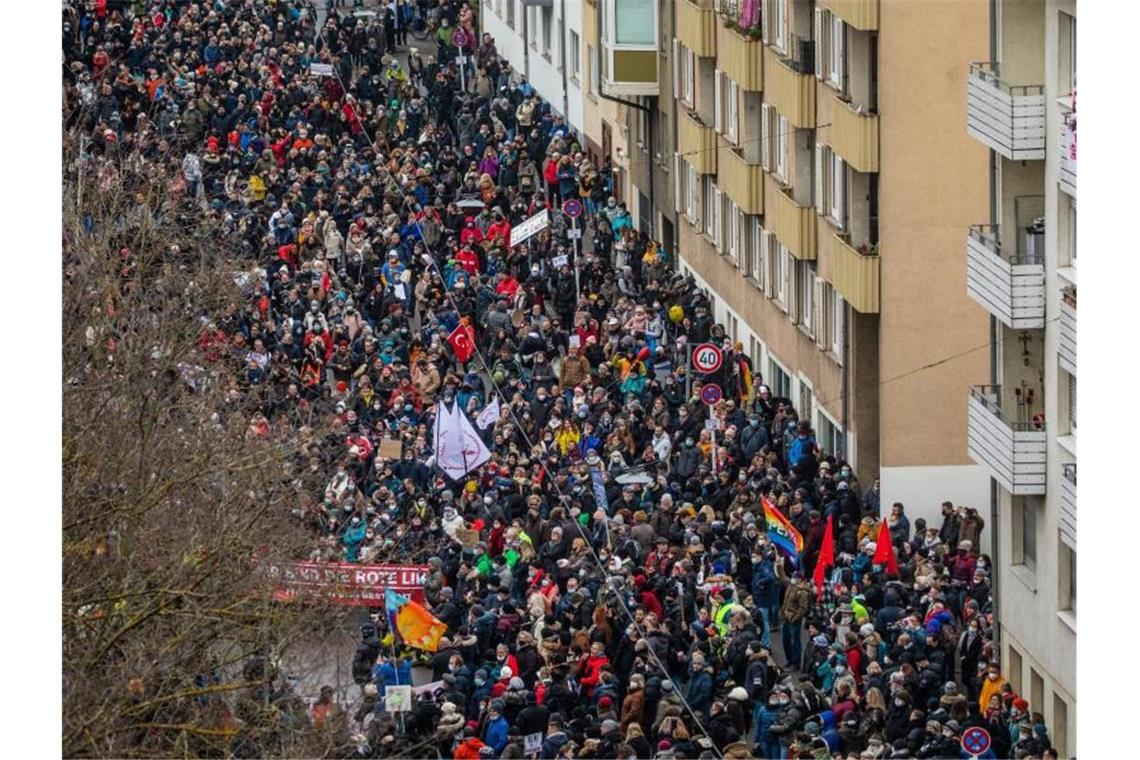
{"x": 885, "y": 550}
{"x": 462, "y": 342}
{"x": 826, "y": 558}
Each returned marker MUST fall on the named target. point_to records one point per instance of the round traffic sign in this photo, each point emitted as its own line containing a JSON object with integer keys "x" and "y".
{"x": 711, "y": 393}
{"x": 975, "y": 740}
{"x": 572, "y": 208}
{"x": 706, "y": 358}
{"x": 459, "y": 38}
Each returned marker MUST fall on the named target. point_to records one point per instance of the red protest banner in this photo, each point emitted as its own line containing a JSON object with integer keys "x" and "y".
{"x": 346, "y": 584}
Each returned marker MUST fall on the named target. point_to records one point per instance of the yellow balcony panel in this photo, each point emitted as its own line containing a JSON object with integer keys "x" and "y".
{"x": 794, "y": 225}
{"x": 741, "y": 57}
{"x": 696, "y": 143}
{"x": 855, "y": 136}
{"x": 744, "y": 182}
{"x": 856, "y": 276}
{"x": 792, "y": 93}
{"x": 861, "y": 14}
{"x": 696, "y": 26}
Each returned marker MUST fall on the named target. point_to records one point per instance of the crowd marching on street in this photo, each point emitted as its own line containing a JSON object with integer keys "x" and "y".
{"x": 479, "y": 392}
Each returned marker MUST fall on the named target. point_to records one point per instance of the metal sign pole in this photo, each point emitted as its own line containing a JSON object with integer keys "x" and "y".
{"x": 577, "y": 261}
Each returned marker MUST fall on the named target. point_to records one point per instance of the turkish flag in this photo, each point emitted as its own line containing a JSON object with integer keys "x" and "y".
{"x": 462, "y": 342}
{"x": 826, "y": 558}
{"x": 885, "y": 550}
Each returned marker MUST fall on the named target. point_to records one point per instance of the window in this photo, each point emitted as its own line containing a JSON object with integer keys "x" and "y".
{"x": 1025, "y": 531}
{"x": 511, "y": 13}
{"x": 782, "y": 149}
{"x": 592, "y": 62}
{"x": 733, "y": 328}
{"x": 635, "y": 22}
{"x": 805, "y": 283}
{"x": 689, "y": 64}
{"x": 559, "y": 41}
{"x": 695, "y": 189}
{"x": 837, "y": 191}
{"x": 768, "y": 125}
{"x": 1072, "y": 232}
{"x": 679, "y": 178}
{"x": 547, "y": 13}
{"x": 830, "y": 436}
{"x": 711, "y": 208}
{"x": 779, "y": 10}
{"x": 838, "y": 325}
{"x": 1015, "y": 667}
{"x": 731, "y": 107}
{"x": 836, "y": 53}
{"x": 1060, "y": 732}
{"x": 754, "y": 352}
{"x": 1036, "y": 691}
{"x": 755, "y": 269}
{"x": 806, "y": 407}
{"x": 1067, "y": 578}
{"x": 1068, "y": 63}
{"x": 783, "y": 264}
{"x": 575, "y": 56}
{"x": 779, "y": 382}
{"x": 1072, "y": 403}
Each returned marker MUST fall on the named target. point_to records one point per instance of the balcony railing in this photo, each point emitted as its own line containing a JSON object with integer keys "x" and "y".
{"x": 696, "y": 26}
{"x": 861, "y": 14}
{"x": 855, "y": 136}
{"x": 793, "y": 225}
{"x": 1013, "y": 452}
{"x": 1009, "y": 119}
{"x": 1067, "y": 334}
{"x": 740, "y": 57}
{"x": 789, "y": 84}
{"x": 857, "y": 275}
{"x": 1011, "y": 288}
{"x": 1067, "y": 155}
{"x": 744, "y": 182}
{"x": 1068, "y": 513}
{"x": 696, "y": 142}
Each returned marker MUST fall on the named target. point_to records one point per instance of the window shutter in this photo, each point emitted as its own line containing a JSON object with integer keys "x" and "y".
{"x": 820, "y": 208}
{"x": 839, "y": 202}
{"x": 783, "y": 127}
{"x": 765, "y": 19}
{"x": 839, "y": 328}
{"x": 817, "y": 314}
{"x": 766, "y": 277}
{"x": 698, "y": 203}
{"x": 678, "y": 201}
{"x": 718, "y": 100}
{"x": 676, "y": 61}
{"x": 765, "y": 137}
{"x": 792, "y": 280}
{"x": 718, "y": 220}
{"x": 817, "y": 21}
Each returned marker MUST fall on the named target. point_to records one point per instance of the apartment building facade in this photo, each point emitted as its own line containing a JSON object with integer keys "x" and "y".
{"x": 819, "y": 171}
{"x": 1021, "y": 271}
{"x": 542, "y": 39}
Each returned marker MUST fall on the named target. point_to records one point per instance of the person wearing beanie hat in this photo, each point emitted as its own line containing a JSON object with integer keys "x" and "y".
{"x": 497, "y": 730}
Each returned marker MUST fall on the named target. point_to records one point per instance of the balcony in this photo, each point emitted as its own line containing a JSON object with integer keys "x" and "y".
{"x": 793, "y": 225}
{"x": 628, "y": 40}
{"x": 1067, "y": 336}
{"x": 1013, "y": 452}
{"x": 790, "y": 84}
{"x": 855, "y": 136}
{"x": 857, "y": 275}
{"x": 1068, "y": 513}
{"x": 1009, "y": 119}
{"x": 1009, "y": 287}
{"x": 741, "y": 57}
{"x": 1067, "y": 155}
{"x": 861, "y": 14}
{"x": 696, "y": 26}
{"x": 696, "y": 142}
{"x": 744, "y": 182}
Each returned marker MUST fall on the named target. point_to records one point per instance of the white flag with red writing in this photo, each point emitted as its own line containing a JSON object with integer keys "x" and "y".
{"x": 458, "y": 448}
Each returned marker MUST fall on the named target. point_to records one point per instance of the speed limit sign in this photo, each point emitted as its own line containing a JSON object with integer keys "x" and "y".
{"x": 706, "y": 358}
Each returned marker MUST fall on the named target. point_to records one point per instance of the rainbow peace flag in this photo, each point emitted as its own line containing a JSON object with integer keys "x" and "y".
{"x": 781, "y": 532}
{"x": 417, "y": 627}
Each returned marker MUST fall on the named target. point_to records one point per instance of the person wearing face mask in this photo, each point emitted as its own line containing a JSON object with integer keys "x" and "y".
{"x": 764, "y": 716}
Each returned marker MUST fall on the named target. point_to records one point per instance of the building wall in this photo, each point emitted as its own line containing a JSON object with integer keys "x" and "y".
{"x": 650, "y": 160}
{"x": 932, "y": 180}
{"x": 923, "y": 489}
{"x": 595, "y": 109}
{"x": 543, "y": 70}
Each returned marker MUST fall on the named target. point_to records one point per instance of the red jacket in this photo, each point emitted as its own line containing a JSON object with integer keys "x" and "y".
{"x": 550, "y": 171}
{"x": 500, "y": 231}
{"x": 590, "y": 672}
{"x": 468, "y": 749}
{"x": 468, "y": 259}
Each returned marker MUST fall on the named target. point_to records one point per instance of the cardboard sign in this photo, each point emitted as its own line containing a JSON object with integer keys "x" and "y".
{"x": 398, "y": 698}
{"x": 530, "y": 227}
{"x": 532, "y": 743}
{"x": 321, "y": 69}
{"x": 389, "y": 449}
{"x": 467, "y": 537}
{"x": 560, "y": 261}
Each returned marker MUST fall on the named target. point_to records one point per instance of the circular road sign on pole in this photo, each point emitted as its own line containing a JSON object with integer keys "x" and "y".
{"x": 711, "y": 393}
{"x": 459, "y": 38}
{"x": 572, "y": 208}
{"x": 975, "y": 741}
{"x": 707, "y": 358}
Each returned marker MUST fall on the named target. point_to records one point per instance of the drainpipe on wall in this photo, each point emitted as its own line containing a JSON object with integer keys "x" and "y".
{"x": 562, "y": 48}
{"x": 526, "y": 42}
{"x": 995, "y": 165}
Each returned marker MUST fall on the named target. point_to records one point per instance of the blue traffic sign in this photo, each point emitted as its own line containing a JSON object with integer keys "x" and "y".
{"x": 572, "y": 208}
{"x": 975, "y": 740}
{"x": 711, "y": 393}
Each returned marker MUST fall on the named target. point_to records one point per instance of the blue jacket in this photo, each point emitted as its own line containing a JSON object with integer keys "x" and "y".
{"x": 699, "y": 693}
{"x": 496, "y": 734}
{"x": 387, "y": 674}
{"x": 765, "y": 588}
{"x": 799, "y": 449}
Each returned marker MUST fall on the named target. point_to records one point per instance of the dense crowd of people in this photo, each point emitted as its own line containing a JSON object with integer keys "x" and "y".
{"x": 607, "y": 578}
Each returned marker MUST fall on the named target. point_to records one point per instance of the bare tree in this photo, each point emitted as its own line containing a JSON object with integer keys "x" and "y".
{"x": 174, "y": 488}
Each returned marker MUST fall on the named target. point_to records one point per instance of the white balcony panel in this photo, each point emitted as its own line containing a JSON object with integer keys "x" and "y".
{"x": 1067, "y": 155}
{"x": 1010, "y": 120}
{"x": 1015, "y": 457}
{"x": 1067, "y": 337}
{"x": 1014, "y": 293}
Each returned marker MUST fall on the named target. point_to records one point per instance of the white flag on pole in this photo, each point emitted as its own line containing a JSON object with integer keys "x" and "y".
{"x": 489, "y": 416}
{"x": 458, "y": 448}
